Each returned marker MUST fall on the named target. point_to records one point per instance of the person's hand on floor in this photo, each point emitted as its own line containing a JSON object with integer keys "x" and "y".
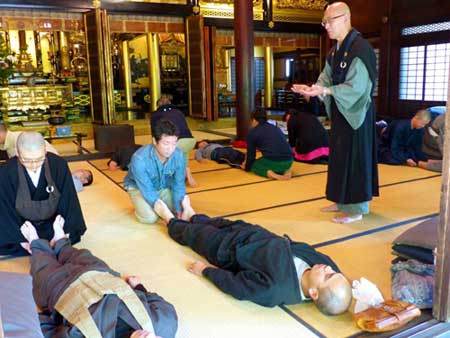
{"x": 411, "y": 162}
{"x": 197, "y": 268}
{"x": 422, "y": 164}
{"x": 243, "y": 164}
{"x": 133, "y": 281}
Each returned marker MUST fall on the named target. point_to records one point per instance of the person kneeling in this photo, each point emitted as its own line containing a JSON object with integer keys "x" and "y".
{"x": 36, "y": 186}
{"x": 252, "y": 263}
{"x": 277, "y": 157}
{"x": 157, "y": 172}
{"x": 81, "y": 296}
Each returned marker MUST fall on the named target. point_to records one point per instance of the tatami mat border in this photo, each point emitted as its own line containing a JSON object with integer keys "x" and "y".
{"x": 302, "y": 322}
{"x": 372, "y": 231}
{"x": 104, "y": 174}
{"x": 266, "y": 180}
{"x": 317, "y": 198}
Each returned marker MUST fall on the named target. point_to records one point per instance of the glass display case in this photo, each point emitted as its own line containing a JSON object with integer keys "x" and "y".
{"x": 49, "y": 69}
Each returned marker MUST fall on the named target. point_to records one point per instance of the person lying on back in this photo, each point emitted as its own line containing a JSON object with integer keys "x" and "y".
{"x": 251, "y": 263}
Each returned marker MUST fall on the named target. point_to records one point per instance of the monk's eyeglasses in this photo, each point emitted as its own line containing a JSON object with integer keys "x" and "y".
{"x": 330, "y": 20}
{"x": 31, "y": 161}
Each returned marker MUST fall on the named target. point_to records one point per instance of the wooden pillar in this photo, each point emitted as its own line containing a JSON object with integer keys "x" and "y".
{"x": 154, "y": 69}
{"x": 441, "y": 296}
{"x": 127, "y": 78}
{"x": 243, "y": 40}
{"x": 268, "y": 76}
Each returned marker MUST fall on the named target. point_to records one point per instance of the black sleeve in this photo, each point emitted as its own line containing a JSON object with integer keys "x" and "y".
{"x": 141, "y": 287}
{"x": 244, "y": 285}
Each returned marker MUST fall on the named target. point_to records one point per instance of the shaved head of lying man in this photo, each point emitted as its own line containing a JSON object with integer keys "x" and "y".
{"x": 252, "y": 263}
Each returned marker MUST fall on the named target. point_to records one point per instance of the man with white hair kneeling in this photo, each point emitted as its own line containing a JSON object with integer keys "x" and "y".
{"x": 36, "y": 186}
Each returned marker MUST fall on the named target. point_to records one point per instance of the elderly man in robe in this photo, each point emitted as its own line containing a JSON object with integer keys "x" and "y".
{"x": 36, "y": 186}
{"x": 346, "y": 86}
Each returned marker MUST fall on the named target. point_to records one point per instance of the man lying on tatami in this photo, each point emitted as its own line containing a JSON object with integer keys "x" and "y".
{"x": 252, "y": 263}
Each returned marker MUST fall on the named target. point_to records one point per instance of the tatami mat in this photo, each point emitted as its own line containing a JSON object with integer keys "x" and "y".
{"x": 275, "y": 193}
{"x": 132, "y": 248}
{"x": 290, "y": 207}
{"x": 368, "y": 257}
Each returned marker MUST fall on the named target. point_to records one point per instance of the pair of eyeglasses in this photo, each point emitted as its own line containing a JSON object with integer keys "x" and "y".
{"x": 31, "y": 161}
{"x": 330, "y": 20}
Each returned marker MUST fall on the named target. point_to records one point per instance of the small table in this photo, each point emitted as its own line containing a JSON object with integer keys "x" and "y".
{"x": 77, "y": 136}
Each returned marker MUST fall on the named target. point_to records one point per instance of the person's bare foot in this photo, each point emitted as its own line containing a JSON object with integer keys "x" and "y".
{"x": 58, "y": 229}
{"x": 286, "y": 176}
{"x": 188, "y": 211}
{"x": 190, "y": 179}
{"x": 112, "y": 165}
{"x": 347, "y": 218}
{"x": 330, "y": 208}
{"x": 163, "y": 211}
{"x": 29, "y": 232}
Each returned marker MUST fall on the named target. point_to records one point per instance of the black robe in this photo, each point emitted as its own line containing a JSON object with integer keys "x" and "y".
{"x": 254, "y": 263}
{"x": 68, "y": 207}
{"x": 352, "y": 169}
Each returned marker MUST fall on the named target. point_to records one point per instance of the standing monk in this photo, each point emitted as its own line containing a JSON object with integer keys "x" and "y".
{"x": 346, "y": 86}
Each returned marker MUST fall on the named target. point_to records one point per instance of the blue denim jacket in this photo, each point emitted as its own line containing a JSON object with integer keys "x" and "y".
{"x": 149, "y": 175}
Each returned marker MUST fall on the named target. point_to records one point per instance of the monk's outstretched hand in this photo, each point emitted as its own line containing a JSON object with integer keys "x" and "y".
{"x": 197, "y": 268}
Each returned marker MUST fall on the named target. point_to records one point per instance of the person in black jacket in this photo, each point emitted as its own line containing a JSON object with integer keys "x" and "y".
{"x": 252, "y": 263}
{"x": 307, "y": 137}
{"x": 277, "y": 158}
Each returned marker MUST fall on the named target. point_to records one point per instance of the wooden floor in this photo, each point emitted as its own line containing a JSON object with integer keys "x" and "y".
{"x": 408, "y": 195}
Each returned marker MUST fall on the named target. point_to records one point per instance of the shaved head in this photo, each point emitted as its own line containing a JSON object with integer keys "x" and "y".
{"x": 30, "y": 141}
{"x": 340, "y": 7}
{"x": 336, "y": 20}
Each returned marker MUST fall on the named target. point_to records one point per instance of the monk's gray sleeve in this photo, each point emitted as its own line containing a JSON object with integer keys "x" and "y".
{"x": 353, "y": 96}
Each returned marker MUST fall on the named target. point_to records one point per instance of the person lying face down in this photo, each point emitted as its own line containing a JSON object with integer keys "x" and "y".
{"x": 252, "y": 263}
{"x": 81, "y": 296}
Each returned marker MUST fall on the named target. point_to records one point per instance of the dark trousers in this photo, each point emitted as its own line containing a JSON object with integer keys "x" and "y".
{"x": 53, "y": 270}
{"x": 213, "y": 238}
{"x": 228, "y": 155}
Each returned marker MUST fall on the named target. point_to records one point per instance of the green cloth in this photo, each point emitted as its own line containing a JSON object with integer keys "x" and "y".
{"x": 186, "y": 145}
{"x": 354, "y": 209}
{"x": 262, "y": 165}
{"x": 353, "y": 96}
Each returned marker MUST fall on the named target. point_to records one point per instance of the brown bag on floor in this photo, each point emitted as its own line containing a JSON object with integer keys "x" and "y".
{"x": 387, "y": 316}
